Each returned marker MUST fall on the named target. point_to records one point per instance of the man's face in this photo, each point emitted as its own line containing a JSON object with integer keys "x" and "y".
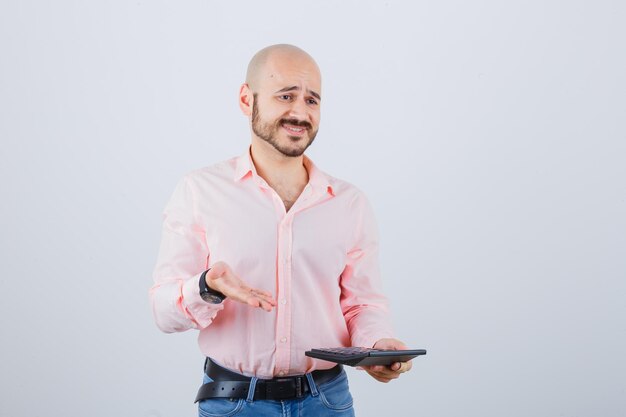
{"x": 286, "y": 106}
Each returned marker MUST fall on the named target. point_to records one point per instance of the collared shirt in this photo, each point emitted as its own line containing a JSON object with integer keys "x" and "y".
{"x": 319, "y": 260}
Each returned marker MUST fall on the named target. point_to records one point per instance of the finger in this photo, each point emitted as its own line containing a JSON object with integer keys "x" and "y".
{"x": 388, "y": 373}
{"x": 253, "y": 302}
{"x": 382, "y": 371}
{"x": 261, "y": 293}
{"x": 250, "y": 296}
{"x": 266, "y": 297}
{"x": 267, "y": 306}
{"x": 392, "y": 375}
{"x": 383, "y": 377}
{"x": 379, "y": 370}
{"x": 378, "y": 377}
{"x": 258, "y": 302}
{"x": 404, "y": 367}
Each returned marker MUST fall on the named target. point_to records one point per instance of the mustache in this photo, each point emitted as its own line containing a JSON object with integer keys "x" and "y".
{"x": 295, "y": 122}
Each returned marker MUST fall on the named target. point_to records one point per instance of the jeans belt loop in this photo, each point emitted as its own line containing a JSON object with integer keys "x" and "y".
{"x": 252, "y": 389}
{"x": 312, "y": 385}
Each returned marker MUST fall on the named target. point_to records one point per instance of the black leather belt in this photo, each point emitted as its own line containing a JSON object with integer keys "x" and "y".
{"x": 229, "y": 384}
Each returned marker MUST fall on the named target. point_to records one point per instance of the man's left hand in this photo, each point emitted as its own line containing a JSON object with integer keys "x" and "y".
{"x": 387, "y": 373}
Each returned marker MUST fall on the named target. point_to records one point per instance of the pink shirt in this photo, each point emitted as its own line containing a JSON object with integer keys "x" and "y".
{"x": 319, "y": 259}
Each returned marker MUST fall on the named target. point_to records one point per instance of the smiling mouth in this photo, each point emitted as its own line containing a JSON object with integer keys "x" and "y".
{"x": 294, "y": 130}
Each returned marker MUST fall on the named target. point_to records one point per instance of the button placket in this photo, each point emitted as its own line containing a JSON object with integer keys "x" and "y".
{"x": 283, "y": 328}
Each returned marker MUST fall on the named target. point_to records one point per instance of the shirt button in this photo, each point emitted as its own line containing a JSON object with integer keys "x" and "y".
{"x": 283, "y": 301}
{"x": 281, "y": 373}
{"x": 284, "y": 339}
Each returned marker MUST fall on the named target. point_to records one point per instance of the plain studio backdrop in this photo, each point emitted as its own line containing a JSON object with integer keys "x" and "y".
{"x": 489, "y": 136}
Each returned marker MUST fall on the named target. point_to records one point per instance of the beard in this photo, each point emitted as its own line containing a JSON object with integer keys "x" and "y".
{"x": 269, "y": 133}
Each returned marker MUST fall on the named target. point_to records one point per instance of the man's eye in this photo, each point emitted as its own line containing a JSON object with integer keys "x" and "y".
{"x": 285, "y": 97}
{"x": 312, "y": 101}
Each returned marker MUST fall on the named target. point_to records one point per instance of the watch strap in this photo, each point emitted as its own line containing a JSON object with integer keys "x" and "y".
{"x": 207, "y": 293}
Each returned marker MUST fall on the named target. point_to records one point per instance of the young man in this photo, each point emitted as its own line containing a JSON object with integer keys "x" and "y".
{"x": 268, "y": 257}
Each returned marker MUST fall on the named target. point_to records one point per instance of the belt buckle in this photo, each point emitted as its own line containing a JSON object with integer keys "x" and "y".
{"x": 284, "y": 388}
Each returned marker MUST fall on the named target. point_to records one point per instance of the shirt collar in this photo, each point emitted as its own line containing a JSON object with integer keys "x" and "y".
{"x": 318, "y": 180}
{"x": 244, "y": 166}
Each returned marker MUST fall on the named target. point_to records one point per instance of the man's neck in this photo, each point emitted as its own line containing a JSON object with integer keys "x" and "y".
{"x": 286, "y": 175}
{"x": 277, "y": 169}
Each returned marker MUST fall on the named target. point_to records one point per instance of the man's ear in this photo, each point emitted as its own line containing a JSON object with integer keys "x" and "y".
{"x": 246, "y": 99}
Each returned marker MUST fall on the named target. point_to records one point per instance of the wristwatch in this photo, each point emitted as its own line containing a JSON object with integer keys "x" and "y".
{"x": 207, "y": 293}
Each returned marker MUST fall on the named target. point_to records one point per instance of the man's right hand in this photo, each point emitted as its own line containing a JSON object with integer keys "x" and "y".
{"x": 221, "y": 278}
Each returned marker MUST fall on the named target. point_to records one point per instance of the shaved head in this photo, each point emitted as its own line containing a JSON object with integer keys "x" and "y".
{"x": 260, "y": 67}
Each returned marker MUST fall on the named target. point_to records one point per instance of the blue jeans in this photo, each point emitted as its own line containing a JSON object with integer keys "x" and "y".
{"x": 331, "y": 398}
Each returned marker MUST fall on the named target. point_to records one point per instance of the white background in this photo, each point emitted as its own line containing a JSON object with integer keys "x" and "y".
{"x": 490, "y": 137}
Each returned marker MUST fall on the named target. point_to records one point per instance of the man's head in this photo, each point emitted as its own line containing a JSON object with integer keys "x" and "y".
{"x": 281, "y": 96}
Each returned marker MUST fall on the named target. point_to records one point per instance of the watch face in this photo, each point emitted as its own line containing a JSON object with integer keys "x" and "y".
{"x": 211, "y": 298}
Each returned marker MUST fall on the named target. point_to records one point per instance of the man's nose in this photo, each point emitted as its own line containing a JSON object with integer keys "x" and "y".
{"x": 299, "y": 109}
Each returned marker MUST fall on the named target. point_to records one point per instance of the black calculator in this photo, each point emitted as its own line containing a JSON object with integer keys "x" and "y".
{"x": 361, "y": 356}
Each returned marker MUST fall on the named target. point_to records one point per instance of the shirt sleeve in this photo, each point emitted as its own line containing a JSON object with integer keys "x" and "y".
{"x": 183, "y": 257}
{"x": 363, "y": 303}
